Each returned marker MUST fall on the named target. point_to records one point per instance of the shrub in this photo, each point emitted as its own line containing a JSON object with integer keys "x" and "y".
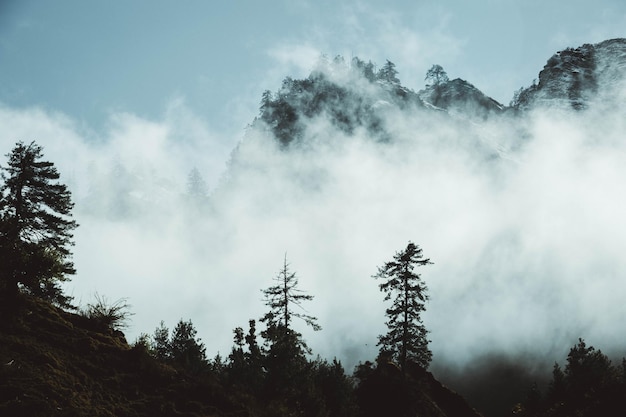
{"x": 110, "y": 315}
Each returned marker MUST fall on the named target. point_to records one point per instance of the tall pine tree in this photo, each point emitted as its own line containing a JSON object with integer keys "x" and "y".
{"x": 285, "y": 357}
{"x": 35, "y": 227}
{"x": 406, "y": 337}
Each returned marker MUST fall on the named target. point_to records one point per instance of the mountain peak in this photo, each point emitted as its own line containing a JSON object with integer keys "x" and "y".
{"x": 574, "y": 77}
{"x": 459, "y": 96}
{"x": 354, "y": 96}
{"x": 349, "y": 96}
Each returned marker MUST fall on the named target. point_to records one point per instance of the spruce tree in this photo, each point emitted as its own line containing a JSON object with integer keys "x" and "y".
{"x": 161, "y": 342}
{"x": 388, "y": 73}
{"x": 254, "y": 358}
{"x": 237, "y": 363}
{"x": 35, "y": 227}
{"x": 245, "y": 365}
{"x": 186, "y": 350}
{"x": 285, "y": 356}
{"x": 281, "y": 299}
{"x": 406, "y": 336}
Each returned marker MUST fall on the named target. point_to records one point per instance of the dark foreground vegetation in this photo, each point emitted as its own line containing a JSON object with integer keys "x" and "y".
{"x": 590, "y": 385}
{"x": 58, "y": 363}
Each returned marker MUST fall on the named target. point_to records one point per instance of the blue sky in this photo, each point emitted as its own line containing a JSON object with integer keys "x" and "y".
{"x": 91, "y": 59}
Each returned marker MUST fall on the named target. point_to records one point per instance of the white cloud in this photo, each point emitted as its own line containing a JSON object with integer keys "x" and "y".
{"x": 377, "y": 34}
{"x": 295, "y": 58}
{"x": 522, "y": 245}
{"x": 526, "y": 249}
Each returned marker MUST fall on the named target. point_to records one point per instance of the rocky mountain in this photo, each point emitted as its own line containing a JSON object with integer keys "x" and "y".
{"x": 355, "y": 96}
{"x": 575, "y": 77}
{"x": 350, "y": 97}
{"x": 460, "y": 97}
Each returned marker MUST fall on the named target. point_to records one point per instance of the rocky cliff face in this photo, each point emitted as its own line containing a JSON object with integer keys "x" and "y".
{"x": 575, "y": 77}
{"x": 352, "y": 98}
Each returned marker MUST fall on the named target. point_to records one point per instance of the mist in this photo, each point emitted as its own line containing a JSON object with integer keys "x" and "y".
{"x": 520, "y": 215}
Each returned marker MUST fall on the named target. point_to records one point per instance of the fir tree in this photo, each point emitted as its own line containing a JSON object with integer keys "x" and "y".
{"x": 186, "y": 350}
{"x": 281, "y": 299}
{"x": 285, "y": 358}
{"x": 406, "y": 337}
{"x": 253, "y": 358}
{"x": 245, "y": 366}
{"x": 237, "y": 363}
{"x": 35, "y": 227}
{"x": 366, "y": 70}
{"x": 388, "y": 73}
{"x": 161, "y": 342}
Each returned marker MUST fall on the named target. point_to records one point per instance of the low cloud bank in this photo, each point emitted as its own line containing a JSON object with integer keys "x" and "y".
{"x": 521, "y": 218}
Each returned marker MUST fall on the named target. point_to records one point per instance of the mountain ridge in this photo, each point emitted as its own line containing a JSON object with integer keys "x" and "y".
{"x": 571, "y": 78}
{"x": 575, "y": 77}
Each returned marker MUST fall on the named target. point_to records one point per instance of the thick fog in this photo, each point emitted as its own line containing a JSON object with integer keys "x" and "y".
{"x": 520, "y": 215}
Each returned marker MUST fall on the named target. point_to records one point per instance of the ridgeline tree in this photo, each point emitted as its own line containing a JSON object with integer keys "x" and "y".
{"x": 436, "y": 76}
{"x": 161, "y": 343}
{"x": 285, "y": 357}
{"x": 182, "y": 349}
{"x": 589, "y": 386}
{"x": 388, "y": 73}
{"x": 365, "y": 69}
{"x": 35, "y": 227}
{"x": 253, "y": 357}
{"x": 186, "y": 350}
{"x": 245, "y": 366}
{"x": 406, "y": 338}
{"x": 279, "y": 373}
{"x": 237, "y": 362}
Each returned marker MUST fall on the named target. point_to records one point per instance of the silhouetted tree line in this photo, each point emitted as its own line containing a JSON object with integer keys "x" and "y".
{"x": 180, "y": 348}
{"x": 589, "y": 386}
{"x": 274, "y": 366}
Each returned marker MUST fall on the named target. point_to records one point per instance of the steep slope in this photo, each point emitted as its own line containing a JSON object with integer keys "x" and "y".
{"x": 386, "y": 391}
{"x": 460, "y": 97}
{"x": 345, "y": 96}
{"x": 353, "y": 96}
{"x": 575, "y": 77}
{"x": 54, "y": 363}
